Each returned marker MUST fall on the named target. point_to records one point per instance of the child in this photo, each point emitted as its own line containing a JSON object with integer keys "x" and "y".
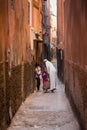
{"x": 38, "y": 75}
{"x": 46, "y": 82}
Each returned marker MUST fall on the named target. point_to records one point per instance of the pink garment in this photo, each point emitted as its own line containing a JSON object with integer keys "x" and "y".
{"x": 45, "y": 76}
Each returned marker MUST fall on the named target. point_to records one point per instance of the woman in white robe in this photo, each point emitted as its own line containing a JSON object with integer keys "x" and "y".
{"x": 52, "y": 74}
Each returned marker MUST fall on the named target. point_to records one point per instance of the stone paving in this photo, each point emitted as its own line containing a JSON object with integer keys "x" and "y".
{"x": 45, "y": 111}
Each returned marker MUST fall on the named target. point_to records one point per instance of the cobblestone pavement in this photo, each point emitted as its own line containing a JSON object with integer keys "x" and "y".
{"x": 45, "y": 111}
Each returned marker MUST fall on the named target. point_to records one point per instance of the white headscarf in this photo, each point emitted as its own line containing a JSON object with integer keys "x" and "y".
{"x": 49, "y": 66}
{"x": 45, "y": 60}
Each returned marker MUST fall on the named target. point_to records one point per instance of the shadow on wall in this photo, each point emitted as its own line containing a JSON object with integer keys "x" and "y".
{"x": 60, "y": 64}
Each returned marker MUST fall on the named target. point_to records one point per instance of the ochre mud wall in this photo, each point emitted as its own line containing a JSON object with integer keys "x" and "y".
{"x": 2, "y": 97}
{"x": 14, "y": 90}
{"x": 29, "y": 79}
{"x": 15, "y": 86}
{"x": 21, "y": 85}
{"x": 75, "y": 56}
{"x": 14, "y": 42}
{"x": 3, "y": 41}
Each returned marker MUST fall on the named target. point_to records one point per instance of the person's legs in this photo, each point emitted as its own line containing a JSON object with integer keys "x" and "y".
{"x": 38, "y": 84}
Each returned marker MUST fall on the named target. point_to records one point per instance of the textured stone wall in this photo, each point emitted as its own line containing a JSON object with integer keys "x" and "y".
{"x": 27, "y": 79}
{"x": 21, "y": 85}
{"x": 3, "y": 42}
{"x": 33, "y": 77}
{"x": 14, "y": 50}
{"x": 11, "y": 93}
{"x": 2, "y": 97}
{"x": 75, "y": 56}
{"x": 15, "y": 86}
{"x": 8, "y": 93}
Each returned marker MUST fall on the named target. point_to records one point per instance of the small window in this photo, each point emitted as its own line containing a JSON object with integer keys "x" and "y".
{"x": 12, "y": 4}
{"x": 29, "y": 12}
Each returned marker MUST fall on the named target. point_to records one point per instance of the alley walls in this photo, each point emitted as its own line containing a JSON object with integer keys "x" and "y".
{"x": 60, "y": 39}
{"x": 16, "y": 57}
{"x": 75, "y": 56}
{"x": 37, "y": 26}
{"x": 3, "y": 41}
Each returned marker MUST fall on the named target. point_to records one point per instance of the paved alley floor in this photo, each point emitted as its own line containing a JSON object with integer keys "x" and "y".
{"x": 45, "y": 111}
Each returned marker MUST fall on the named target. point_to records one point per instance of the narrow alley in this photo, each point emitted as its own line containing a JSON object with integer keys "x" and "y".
{"x": 45, "y": 111}
{"x": 32, "y": 34}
